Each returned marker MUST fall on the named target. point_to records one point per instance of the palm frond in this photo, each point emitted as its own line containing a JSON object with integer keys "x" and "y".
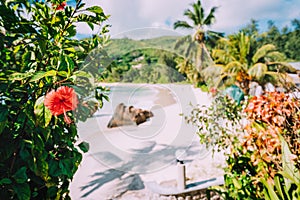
{"x": 210, "y": 19}
{"x": 234, "y": 67}
{"x": 243, "y": 41}
{"x": 258, "y": 71}
{"x": 262, "y": 52}
{"x": 225, "y": 80}
{"x": 192, "y": 16}
{"x": 278, "y": 79}
{"x": 282, "y": 67}
{"x": 213, "y": 71}
{"x": 222, "y": 56}
{"x": 215, "y": 34}
{"x": 199, "y": 13}
{"x": 182, "y": 24}
{"x": 274, "y": 56}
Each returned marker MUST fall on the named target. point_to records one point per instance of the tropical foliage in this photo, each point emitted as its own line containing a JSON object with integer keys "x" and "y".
{"x": 46, "y": 79}
{"x": 238, "y": 63}
{"x": 196, "y": 53}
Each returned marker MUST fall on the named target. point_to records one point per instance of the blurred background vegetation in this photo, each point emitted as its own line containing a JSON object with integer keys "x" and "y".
{"x": 157, "y": 60}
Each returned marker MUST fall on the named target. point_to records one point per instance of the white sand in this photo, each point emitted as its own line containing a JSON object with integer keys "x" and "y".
{"x": 122, "y": 160}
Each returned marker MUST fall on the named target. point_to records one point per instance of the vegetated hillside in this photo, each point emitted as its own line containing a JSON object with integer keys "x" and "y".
{"x": 144, "y": 61}
{"x": 120, "y": 47}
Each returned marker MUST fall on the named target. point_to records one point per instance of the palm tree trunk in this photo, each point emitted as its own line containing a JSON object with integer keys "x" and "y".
{"x": 203, "y": 58}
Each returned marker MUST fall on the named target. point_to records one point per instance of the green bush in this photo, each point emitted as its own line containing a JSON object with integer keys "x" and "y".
{"x": 41, "y": 61}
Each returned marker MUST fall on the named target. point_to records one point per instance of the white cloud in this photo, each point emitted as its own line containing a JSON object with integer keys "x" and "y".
{"x": 132, "y": 15}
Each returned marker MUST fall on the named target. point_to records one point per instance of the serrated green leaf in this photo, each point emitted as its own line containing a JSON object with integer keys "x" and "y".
{"x": 20, "y": 176}
{"x": 22, "y": 191}
{"x": 84, "y": 146}
{"x": 43, "y": 114}
{"x": 66, "y": 166}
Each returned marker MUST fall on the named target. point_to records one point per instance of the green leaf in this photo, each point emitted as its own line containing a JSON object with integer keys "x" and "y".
{"x": 278, "y": 186}
{"x": 71, "y": 49}
{"x": 62, "y": 73}
{"x": 71, "y": 30}
{"x": 42, "y": 169}
{"x": 5, "y": 181}
{"x": 289, "y": 169}
{"x": 66, "y": 64}
{"x": 2, "y": 126}
{"x": 270, "y": 191}
{"x": 66, "y": 166}
{"x": 91, "y": 25}
{"x": 84, "y": 146}
{"x": 20, "y": 176}
{"x": 54, "y": 169}
{"x": 4, "y": 113}
{"x": 43, "y": 114}
{"x": 3, "y": 117}
{"x": 52, "y": 192}
{"x": 41, "y": 74}
{"x": 236, "y": 183}
{"x": 95, "y": 9}
{"x": 22, "y": 191}
{"x": 17, "y": 76}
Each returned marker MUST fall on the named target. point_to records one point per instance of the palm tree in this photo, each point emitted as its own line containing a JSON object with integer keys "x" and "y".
{"x": 237, "y": 63}
{"x": 196, "y": 50}
{"x": 199, "y": 22}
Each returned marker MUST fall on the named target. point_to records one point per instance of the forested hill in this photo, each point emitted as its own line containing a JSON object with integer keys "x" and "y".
{"x": 119, "y": 47}
{"x": 144, "y": 61}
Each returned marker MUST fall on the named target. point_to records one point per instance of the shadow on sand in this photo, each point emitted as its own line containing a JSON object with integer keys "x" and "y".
{"x": 124, "y": 175}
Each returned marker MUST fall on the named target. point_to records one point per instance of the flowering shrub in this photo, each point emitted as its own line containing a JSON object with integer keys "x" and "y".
{"x": 46, "y": 80}
{"x": 270, "y": 115}
{"x": 252, "y": 131}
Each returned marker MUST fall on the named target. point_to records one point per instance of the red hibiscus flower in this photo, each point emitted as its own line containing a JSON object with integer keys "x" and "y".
{"x": 60, "y": 101}
{"x": 60, "y": 6}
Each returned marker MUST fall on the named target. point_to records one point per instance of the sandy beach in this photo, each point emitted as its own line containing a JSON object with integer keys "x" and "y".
{"x": 121, "y": 161}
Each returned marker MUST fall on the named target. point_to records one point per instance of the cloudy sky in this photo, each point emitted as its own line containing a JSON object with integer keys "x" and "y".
{"x": 134, "y": 17}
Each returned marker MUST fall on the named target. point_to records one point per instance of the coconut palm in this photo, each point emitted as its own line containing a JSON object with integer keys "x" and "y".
{"x": 237, "y": 63}
{"x": 196, "y": 51}
{"x": 199, "y": 22}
